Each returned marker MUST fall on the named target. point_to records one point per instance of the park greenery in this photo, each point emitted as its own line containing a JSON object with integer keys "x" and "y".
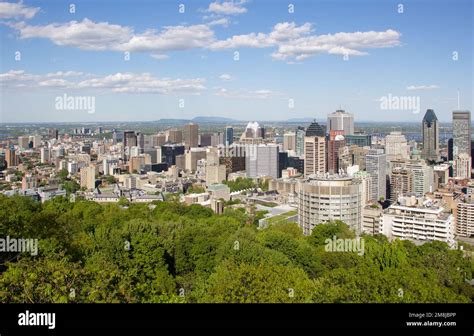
{"x": 168, "y": 252}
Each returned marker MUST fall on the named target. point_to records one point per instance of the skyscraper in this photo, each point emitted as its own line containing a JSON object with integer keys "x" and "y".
{"x": 336, "y": 141}
{"x": 396, "y": 146}
{"x": 229, "y": 135}
{"x": 341, "y": 121}
{"x": 191, "y": 135}
{"x": 376, "y": 166}
{"x": 289, "y": 141}
{"x": 300, "y": 134}
{"x": 430, "y": 130}
{"x": 314, "y": 155}
{"x": 262, "y": 160}
{"x": 461, "y": 133}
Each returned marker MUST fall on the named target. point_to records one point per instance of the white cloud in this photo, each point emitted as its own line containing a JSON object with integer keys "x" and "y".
{"x": 159, "y": 56}
{"x": 227, "y": 7}
{"x": 11, "y": 10}
{"x": 226, "y": 77}
{"x": 219, "y": 22}
{"x": 422, "y": 87}
{"x": 247, "y": 94}
{"x": 88, "y": 35}
{"x": 115, "y": 83}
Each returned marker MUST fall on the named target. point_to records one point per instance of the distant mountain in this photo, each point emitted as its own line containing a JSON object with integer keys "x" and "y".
{"x": 204, "y": 119}
{"x": 173, "y": 121}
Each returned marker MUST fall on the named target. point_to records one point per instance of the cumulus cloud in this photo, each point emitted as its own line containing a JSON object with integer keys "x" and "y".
{"x": 115, "y": 83}
{"x": 89, "y": 35}
{"x": 422, "y": 87}
{"x": 225, "y": 77}
{"x": 159, "y": 56}
{"x": 12, "y": 10}
{"x": 227, "y": 7}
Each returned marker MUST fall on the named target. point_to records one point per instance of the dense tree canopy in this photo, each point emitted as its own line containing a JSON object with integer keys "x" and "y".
{"x": 176, "y": 253}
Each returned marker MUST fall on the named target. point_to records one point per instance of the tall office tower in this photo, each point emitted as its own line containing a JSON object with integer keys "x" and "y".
{"x": 217, "y": 139}
{"x": 229, "y": 135}
{"x": 11, "y": 157}
{"x": 341, "y": 121}
{"x": 169, "y": 153}
{"x": 465, "y": 218}
{"x": 174, "y": 136}
{"x": 430, "y": 130}
{"x": 314, "y": 155}
{"x": 36, "y": 139}
{"x": 158, "y": 140}
{"x": 461, "y": 133}
{"x": 335, "y": 143}
{"x": 191, "y": 135}
{"x": 462, "y": 166}
{"x": 141, "y": 142}
{"x": 472, "y": 154}
{"x": 262, "y": 160}
{"x": 299, "y": 145}
{"x": 23, "y": 142}
{"x": 289, "y": 141}
{"x": 129, "y": 139}
{"x": 396, "y": 146}
{"x": 205, "y": 139}
{"x": 192, "y": 156}
{"x": 88, "y": 177}
{"x": 322, "y": 199}
{"x": 352, "y": 155}
{"x": 53, "y": 133}
{"x": 45, "y": 155}
{"x": 314, "y": 129}
{"x": 215, "y": 174}
{"x": 253, "y": 130}
{"x": 376, "y": 166}
{"x": 423, "y": 176}
{"x": 401, "y": 183}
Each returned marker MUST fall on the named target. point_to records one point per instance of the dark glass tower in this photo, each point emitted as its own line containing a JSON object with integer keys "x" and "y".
{"x": 430, "y": 132}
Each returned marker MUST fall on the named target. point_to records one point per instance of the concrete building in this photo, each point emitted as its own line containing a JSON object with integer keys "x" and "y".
{"x": 335, "y": 143}
{"x": 314, "y": 155}
{"x": 192, "y": 156}
{"x": 396, "y": 146}
{"x": 462, "y": 166}
{"x": 371, "y": 215}
{"x": 341, "y": 121}
{"x": 461, "y": 133}
{"x": 262, "y": 160}
{"x": 326, "y": 198}
{"x": 289, "y": 141}
{"x": 401, "y": 183}
{"x": 215, "y": 174}
{"x": 88, "y": 177}
{"x": 376, "y": 166}
{"x": 174, "y": 136}
{"x": 465, "y": 218}
{"x": 418, "y": 220}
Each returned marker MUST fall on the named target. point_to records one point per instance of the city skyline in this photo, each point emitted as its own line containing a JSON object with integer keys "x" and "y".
{"x": 296, "y": 64}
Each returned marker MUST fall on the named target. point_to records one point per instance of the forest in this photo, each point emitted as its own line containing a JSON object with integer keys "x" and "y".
{"x": 167, "y": 252}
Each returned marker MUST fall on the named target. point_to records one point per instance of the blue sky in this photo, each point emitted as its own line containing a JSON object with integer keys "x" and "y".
{"x": 325, "y": 55}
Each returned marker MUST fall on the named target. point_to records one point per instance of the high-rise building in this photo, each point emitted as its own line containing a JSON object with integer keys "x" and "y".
{"x": 45, "y": 155}
{"x": 174, "y": 136}
{"x": 462, "y": 166}
{"x": 205, "y": 139}
{"x": 465, "y": 218}
{"x": 423, "y": 177}
{"x": 169, "y": 152}
{"x": 88, "y": 177}
{"x": 262, "y": 160}
{"x": 314, "y": 129}
{"x": 253, "y": 131}
{"x": 430, "y": 132}
{"x": 129, "y": 139}
{"x": 299, "y": 141}
{"x": 192, "y": 156}
{"x": 191, "y": 135}
{"x": 11, "y": 157}
{"x": 23, "y": 142}
{"x": 396, "y": 146}
{"x": 341, "y": 121}
{"x": 314, "y": 155}
{"x": 324, "y": 198}
{"x": 401, "y": 183}
{"x": 215, "y": 174}
{"x": 352, "y": 155}
{"x": 335, "y": 143}
{"x": 229, "y": 135}
{"x": 289, "y": 141}
{"x": 53, "y": 133}
{"x": 461, "y": 133}
{"x": 376, "y": 166}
